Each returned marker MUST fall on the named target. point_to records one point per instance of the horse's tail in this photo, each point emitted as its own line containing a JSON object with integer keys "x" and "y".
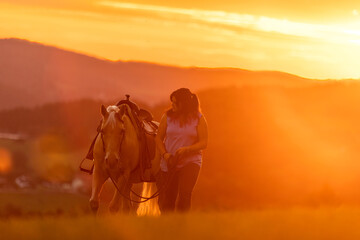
{"x": 149, "y": 208}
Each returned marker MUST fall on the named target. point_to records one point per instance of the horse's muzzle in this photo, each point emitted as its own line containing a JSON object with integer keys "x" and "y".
{"x": 114, "y": 163}
{"x": 111, "y": 162}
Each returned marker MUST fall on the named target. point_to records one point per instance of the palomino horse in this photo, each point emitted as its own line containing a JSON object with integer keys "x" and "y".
{"x": 116, "y": 155}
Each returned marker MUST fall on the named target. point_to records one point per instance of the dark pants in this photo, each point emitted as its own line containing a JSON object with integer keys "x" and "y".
{"x": 178, "y": 186}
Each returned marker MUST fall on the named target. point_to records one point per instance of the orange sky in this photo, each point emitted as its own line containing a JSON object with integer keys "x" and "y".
{"x": 316, "y": 40}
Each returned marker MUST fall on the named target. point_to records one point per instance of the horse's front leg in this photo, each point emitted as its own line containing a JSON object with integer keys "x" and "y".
{"x": 115, "y": 202}
{"x": 122, "y": 192}
{"x": 127, "y": 204}
{"x": 99, "y": 177}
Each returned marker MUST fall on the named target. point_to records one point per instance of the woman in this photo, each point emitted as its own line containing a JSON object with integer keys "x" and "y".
{"x": 181, "y": 136}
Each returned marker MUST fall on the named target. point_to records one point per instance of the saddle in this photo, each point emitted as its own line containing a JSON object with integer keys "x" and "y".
{"x": 143, "y": 118}
{"x": 146, "y": 130}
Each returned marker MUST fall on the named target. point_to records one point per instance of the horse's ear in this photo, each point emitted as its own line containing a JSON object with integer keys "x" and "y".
{"x": 103, "y": 111}
{"x": 122, "y": 110}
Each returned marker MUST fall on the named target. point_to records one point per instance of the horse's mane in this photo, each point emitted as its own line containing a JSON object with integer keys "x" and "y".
{"x": 112, "y": 110}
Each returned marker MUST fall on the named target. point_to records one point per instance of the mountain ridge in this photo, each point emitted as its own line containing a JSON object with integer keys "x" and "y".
{"x": 33, "y": 74}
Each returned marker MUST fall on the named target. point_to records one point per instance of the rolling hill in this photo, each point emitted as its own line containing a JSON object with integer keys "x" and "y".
{"x": 33, "y": 74}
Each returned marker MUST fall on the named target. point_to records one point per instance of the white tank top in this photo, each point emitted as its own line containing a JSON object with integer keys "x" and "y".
{"x": 177, "y": 137}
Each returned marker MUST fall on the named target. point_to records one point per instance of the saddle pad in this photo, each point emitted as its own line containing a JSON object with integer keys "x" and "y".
{"x": 151, "y": 127}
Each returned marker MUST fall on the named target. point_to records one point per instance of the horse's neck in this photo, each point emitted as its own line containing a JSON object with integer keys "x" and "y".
{"x": 131, "y": 145}
{"x": 130, "y": 130}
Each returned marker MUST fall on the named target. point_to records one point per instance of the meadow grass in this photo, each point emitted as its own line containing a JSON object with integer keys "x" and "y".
{"x": 41, "y": 202}
{"x": 290, "y": 224}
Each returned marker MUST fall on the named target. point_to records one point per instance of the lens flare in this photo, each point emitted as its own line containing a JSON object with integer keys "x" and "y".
{"x": 149, "y": 208}
{"x": 5, "y": 161}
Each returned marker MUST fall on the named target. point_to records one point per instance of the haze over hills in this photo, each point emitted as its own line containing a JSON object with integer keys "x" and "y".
{"x": 267, "y": 146}
{"x": 33, "y": 74}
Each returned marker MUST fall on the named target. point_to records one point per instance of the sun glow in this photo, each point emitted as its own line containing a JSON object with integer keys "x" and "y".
{"x": 5, "y": 161}
{"x": 148, "y": 208}
{"x": 192, "y": 37}
{"x": 258, "y": 23}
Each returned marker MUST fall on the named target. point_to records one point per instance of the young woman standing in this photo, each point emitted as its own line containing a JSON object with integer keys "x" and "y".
{"x": 182, "y": 135}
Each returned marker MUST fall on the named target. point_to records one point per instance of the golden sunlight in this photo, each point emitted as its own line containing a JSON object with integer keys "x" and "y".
{"x": 192, "y": 37}
{"x": 149, "y": 208}
{"x": 5, "y": 161}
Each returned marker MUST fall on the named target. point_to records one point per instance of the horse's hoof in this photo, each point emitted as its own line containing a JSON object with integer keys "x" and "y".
{"x": 94, "y": 205}
{"x": 127, "y": 210}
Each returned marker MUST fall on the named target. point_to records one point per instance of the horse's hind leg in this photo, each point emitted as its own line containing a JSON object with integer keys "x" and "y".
{"x": 99, "y": 177}
{"x": 138, "y": 189}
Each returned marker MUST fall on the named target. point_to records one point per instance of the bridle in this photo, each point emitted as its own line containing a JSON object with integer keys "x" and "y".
{"x": 101, "y": 131}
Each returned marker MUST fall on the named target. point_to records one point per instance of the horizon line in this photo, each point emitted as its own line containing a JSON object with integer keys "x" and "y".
{"x": 165, "y": 64}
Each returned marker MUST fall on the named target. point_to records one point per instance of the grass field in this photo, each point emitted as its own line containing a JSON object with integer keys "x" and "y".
{"x": 41, "y": 203}
{"x": 290, "y": 224}
{"x": 56, "y": 215}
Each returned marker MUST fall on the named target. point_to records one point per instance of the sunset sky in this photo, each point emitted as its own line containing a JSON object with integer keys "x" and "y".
{"x": 315, "y": 39}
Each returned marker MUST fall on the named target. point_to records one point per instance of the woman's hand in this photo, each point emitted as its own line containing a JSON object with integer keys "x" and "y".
{"x": 169, "y": 159}
{"x": 182, "y": 151}
{"x": 167, "y": 156}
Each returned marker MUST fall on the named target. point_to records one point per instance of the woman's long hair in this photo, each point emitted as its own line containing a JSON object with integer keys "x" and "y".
{"x": 188, "y": 106}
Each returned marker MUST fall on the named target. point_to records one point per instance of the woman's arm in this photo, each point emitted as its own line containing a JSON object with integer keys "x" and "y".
{"x": 160, "y": 136}
{"x": 199, "y": 145}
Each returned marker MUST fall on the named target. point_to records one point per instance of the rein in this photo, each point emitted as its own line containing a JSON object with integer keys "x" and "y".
{"x": 156, "y": 194}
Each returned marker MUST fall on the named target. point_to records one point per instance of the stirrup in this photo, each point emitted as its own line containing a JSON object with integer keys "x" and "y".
{"x": 87, "y": 165}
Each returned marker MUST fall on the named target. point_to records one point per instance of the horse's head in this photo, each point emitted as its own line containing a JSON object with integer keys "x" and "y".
{"x": 112, "y": 133}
